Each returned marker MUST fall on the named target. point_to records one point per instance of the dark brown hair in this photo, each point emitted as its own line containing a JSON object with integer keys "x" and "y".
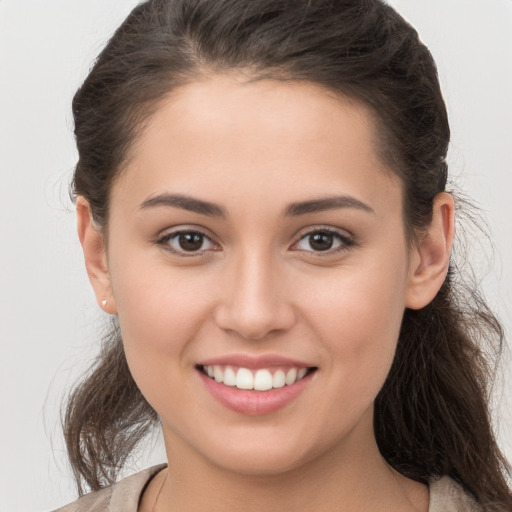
{"x": 432, "y": 415}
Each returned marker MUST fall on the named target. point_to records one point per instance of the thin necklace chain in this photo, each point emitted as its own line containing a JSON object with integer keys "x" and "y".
{"x": 167, "y": 474}
{"x": 160, "y": 492}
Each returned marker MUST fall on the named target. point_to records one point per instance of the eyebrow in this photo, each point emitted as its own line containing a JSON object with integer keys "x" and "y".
{"x": 214, "y": 210}
{"x": 326, "y": 203}
{"x": 185, "y": 203}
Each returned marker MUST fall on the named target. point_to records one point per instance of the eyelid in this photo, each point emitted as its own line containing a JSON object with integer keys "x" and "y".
{"x": 346, "y": 238}
{"x": 163, "y": 238}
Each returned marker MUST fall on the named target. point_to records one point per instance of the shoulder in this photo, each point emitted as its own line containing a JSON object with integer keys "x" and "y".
{"x": 122, "y": 496}
{"x": 446, "y": 495}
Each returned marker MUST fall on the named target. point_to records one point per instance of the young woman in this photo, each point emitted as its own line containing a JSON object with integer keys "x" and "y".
{"x": 261, "y": 203}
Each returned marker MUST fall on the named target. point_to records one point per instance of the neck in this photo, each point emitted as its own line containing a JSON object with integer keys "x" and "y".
{"x": 354, "y": 476}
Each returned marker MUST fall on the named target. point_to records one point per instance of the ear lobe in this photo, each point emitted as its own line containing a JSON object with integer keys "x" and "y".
{"x": 430, "y": 257}
{"x": 95, "y": 256}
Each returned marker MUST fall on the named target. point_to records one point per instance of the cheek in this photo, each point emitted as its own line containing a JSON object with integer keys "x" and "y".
{"x": 158, "y": 319}
{"x": 357, "y": 319}
{"x": 159, "y": 311}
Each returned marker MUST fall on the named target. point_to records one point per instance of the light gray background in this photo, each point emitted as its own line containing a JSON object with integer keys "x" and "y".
{"x": 49, "y": 320}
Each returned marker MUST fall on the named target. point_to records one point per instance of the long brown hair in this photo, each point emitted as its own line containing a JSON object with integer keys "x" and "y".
{"x": 432, "y": 415}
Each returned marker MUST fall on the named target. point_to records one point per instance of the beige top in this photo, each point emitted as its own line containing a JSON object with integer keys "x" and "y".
{"x": 124, "y": 496}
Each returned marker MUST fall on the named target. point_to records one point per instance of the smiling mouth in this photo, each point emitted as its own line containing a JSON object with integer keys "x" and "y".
{"x": 262, "y": 379}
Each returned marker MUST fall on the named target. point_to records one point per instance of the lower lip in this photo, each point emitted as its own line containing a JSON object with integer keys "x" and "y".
{"x": 255, "y": 403}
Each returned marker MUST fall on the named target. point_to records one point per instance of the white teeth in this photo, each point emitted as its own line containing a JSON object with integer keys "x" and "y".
{"x": 291, "y": 376}
{"x": 244, "y": 379}
{"x": 218, "y": 374}
{"x": 278, "y": 380}
{"x": 301, "y": 373}
{"x": 229, "y": 377}
{"x": 261, "y": 380}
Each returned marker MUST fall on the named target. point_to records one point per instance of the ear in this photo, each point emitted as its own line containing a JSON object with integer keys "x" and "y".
{"x": 430, "y": 257}
{"x": 95, "y": 256}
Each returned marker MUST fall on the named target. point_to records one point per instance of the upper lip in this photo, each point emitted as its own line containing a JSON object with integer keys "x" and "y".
{"x": 254, "y": 362}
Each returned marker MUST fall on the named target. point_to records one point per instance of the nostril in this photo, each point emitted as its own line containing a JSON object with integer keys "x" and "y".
{"x": 254, "y": 313}
{"x": 255, "y": 329}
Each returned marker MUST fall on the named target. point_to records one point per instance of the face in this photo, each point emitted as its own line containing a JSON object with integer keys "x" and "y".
{"x": 256, "y": 236}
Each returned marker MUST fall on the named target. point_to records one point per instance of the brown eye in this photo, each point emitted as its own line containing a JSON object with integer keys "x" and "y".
{"x": 190, "y": 241}
{"x": 187, "y": 242}
{"x": 323, "y": 241}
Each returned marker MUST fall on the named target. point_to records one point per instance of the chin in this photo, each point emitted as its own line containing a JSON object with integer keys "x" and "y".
{"x": 260, "y": 462}
{"x": 268, "y": 451}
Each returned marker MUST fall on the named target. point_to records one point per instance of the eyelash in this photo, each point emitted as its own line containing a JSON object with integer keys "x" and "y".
{"x": 164, "y": 241}
{"x": 345, "y": 242}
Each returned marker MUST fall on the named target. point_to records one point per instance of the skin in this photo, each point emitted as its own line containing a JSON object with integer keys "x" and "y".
{"x": 257, "y": 286}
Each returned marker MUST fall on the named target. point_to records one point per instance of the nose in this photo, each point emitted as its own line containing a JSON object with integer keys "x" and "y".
{"x": 254, "y": 303}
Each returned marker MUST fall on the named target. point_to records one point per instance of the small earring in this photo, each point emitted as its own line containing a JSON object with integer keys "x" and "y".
{"x": 104, "y": 303}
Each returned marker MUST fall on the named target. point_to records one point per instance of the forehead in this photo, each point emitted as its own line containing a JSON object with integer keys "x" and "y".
{"x": 261, "y": 139}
